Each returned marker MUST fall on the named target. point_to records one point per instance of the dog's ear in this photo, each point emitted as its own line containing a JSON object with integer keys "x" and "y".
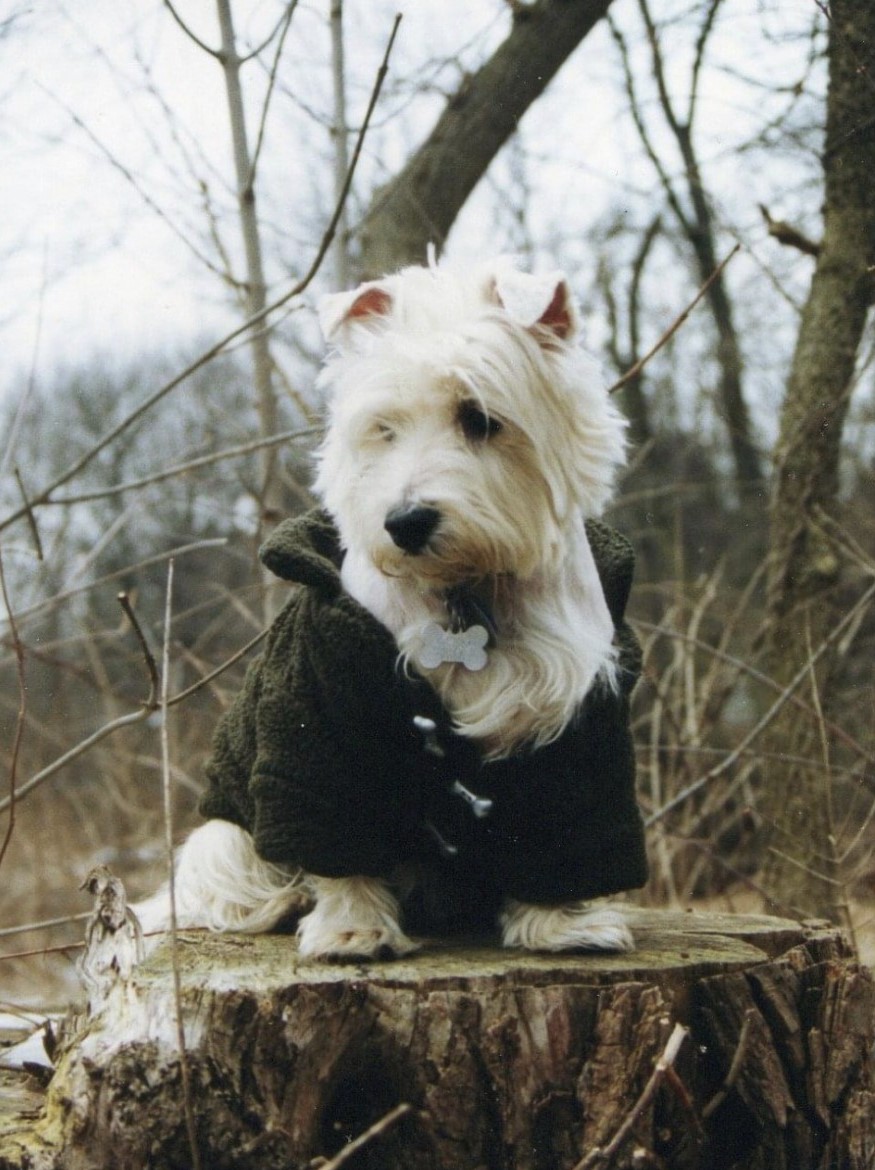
{"x": 363, "y": 304}
{"x": 543, "y": 301}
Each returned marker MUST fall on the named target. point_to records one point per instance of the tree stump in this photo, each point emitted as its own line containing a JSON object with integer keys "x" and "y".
{"x": 504, "y": 1061}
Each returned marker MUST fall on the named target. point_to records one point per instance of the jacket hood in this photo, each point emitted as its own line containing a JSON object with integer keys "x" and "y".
{"x": 306, "y": 550}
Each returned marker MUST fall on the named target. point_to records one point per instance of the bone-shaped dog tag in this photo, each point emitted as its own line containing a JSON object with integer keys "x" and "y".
{"x": 440, "y": 646}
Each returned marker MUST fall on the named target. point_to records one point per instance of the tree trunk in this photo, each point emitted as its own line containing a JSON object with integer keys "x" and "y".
{"x": 504, "y": 1061}
{"x": 339, "y": 134}
{"x": 804, "y": 568}
{"x": 270, "y": 490}
{"x": 420, "y": 204}
{"x": 695, "y": 219}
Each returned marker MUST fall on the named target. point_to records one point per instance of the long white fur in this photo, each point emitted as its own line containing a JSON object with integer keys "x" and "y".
{"x": 221, "y": 883}
{"x": 352, "y": 917}
{"x": 512, "y": 514}
{"x": 588, "y": 926}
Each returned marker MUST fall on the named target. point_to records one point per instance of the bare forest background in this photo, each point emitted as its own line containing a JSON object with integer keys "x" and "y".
{"x": 710, "y": 155}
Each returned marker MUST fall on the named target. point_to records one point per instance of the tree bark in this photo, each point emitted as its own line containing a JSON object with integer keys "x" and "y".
{"x": 506, "y": 1061}
{"x": 804, "y": 567}
{"x": 421, "y": 203}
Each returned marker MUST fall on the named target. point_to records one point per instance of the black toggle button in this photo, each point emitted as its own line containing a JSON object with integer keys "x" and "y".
{"x": 481, "y": 806}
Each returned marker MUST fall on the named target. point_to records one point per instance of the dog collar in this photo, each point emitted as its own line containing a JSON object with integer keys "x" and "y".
{"x": 468, "y": 611}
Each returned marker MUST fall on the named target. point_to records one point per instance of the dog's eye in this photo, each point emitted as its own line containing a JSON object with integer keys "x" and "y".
{"x": 384, "y": 432}
{"x": 476, "y": 424}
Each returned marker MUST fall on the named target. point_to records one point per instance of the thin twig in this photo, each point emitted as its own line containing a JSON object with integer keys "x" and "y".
{"x": 151, "y": 666}
{"x": 192, "y": 36}
{"x": 286, "y": 20}
{"x": 229, "y": 662}
{"x": 603, "y": 1156}
{"x": 122, "y": 722}
{"x": 75, "y": 752}
{"x": 760, "y": 677}
{"x": 45, "y": 924}
{"x": 131, "y": 179}
{"x": 374, "y": 1131}
{"x": 148, "y": 707}
{"x": 738, "y": 1059}
{"x": 635, "y": 370}
{"x": 259, "y": 49}
{"x": 60, "y": 949}
{"x": 167, "y": 794}
{"x": 10, "y": 802}
{"x": 190, "y": 465}
{"x": 128, "y": 570}
{"x": 767, "y": 718}
{"x": 31, "y": 519}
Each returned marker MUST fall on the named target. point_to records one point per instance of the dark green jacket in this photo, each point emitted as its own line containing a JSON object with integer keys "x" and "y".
{"x": 319, "y": 757}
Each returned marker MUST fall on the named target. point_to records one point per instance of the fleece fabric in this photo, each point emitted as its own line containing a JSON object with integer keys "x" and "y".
{"x": 320, "y": 759}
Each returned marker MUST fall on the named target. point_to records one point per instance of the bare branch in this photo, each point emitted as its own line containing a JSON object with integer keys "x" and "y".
{"x": 188, "y": 466}
{"x": 20, "y": 717}
{"x": 286, "y": 23}
{"x": 125, "y": 721}
{"x": 786, "y": 234}
{"x": 158, "y": 559}
{"x": 735, "y": 1067}
{"x": 675, "y": 325}
{"x": 374, "y": 1131}
{"x": 801, "y": 675}
{"x": 31, "y": 519}
{"x": 151, "y": 666}
{"x": 644, "y": 134}
{"x": 226, "y": 665}
{"x": 45, "y": 924}
{"x": 131, "y": 179}
{"x": 192, "y": 36}
{"x": 699, "y": 56}
{"x": 167, "y": 798}
{"x": 207, "y": 356}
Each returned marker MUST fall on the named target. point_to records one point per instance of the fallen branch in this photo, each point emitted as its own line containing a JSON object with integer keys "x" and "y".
{"x": 603, "y": 1156}
{"x": 735, "y": 1068}
{"x": 376, "y": 1130}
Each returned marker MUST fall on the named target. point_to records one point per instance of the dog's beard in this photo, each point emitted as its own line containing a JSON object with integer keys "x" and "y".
{"x": 447, "y": 564}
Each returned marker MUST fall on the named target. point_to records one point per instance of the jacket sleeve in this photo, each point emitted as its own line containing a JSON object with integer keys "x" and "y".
{"x": 332, "y": 748}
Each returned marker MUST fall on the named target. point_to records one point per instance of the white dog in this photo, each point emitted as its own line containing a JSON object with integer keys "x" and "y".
{"x": 438, "y": 730}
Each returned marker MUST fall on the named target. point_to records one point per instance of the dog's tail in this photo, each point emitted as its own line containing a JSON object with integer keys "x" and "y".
{"x": 221, "y": 883}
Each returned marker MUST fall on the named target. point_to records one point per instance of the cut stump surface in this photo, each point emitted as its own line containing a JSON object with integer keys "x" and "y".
{"x": 509, "y": 1061}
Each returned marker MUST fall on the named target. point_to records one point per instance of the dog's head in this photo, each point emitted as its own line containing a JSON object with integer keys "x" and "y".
{"x": 465, "y": 427}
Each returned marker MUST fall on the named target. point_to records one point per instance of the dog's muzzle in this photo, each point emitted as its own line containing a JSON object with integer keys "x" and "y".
{"x": 411, "y": 526}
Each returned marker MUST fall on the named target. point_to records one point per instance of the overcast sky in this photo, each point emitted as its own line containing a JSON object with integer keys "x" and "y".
{"x": 88, "y": 256}
{"x": 103, "y": 220}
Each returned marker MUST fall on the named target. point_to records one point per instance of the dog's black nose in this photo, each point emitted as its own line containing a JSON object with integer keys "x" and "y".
{"x": 412, "y": 525}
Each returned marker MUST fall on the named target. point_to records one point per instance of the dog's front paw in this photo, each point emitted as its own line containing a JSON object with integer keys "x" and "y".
{"x": 576, "y": 926}
{"x": 354, "y": 918}
{"x": 316, "y": 941}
